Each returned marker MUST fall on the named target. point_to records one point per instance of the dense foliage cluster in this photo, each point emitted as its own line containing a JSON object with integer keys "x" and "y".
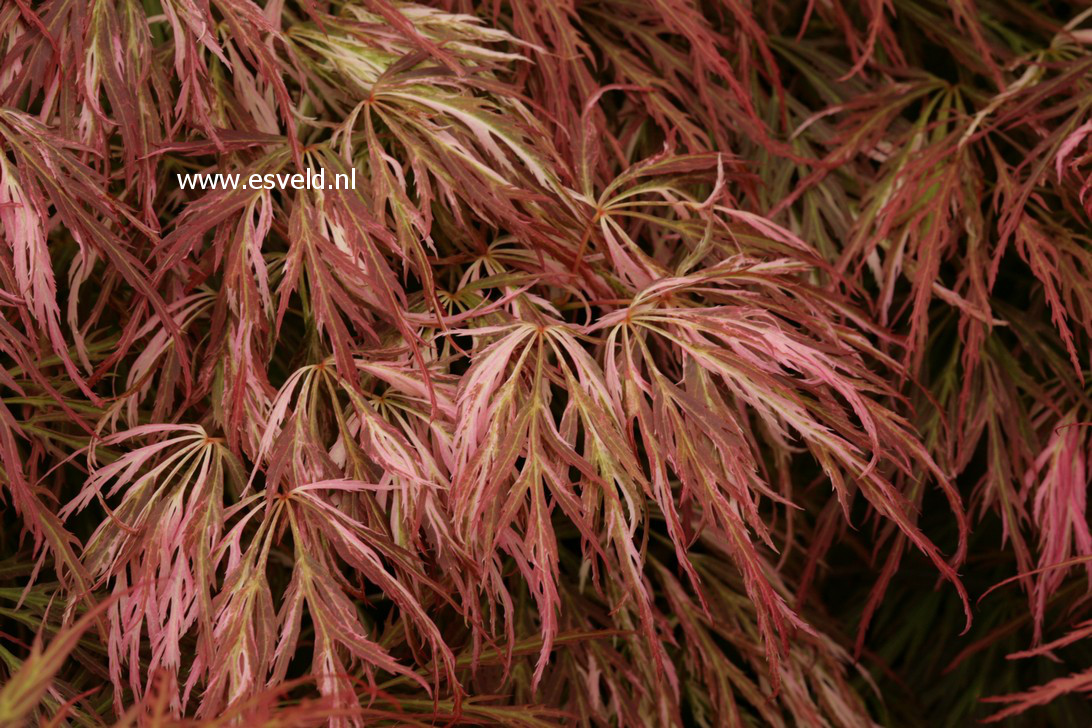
{"x": 674, "y": 362}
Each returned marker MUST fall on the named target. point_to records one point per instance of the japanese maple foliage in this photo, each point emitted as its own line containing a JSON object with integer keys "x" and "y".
{"x": 672, "y": 362}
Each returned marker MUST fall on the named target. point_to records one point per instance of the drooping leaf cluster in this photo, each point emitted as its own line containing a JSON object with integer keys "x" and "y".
{"x": 672, "y": 363}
